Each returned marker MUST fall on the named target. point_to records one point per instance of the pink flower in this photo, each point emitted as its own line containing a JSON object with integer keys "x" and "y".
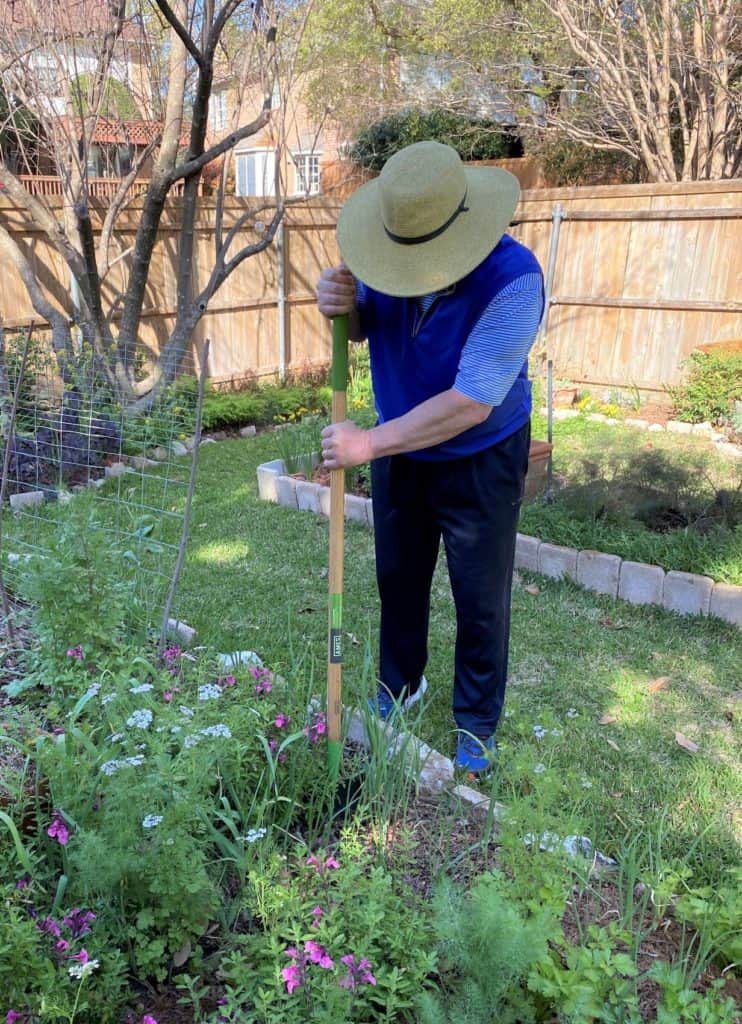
{"x": 293, "y": 977}
{"x": 330, "y": 864}
{"x": 316, "y": 728}
{"x": 358, "y": 973}
{"x": 76, "y": 652}
{"x": 263, "y": 679}
{"x": 317, "y": 914}
{"x": 318, "y": 955}
{"x": 83, "y": 956}
{"x": 148, "y": 1019}
{"x": 12, "y": 1016}
{"x": 282, "y": 720}
{"x": 226, "y": 681}
{"x": 58, "y": 830}
{"x": 62, "y": 946}
{"x": 23, "y": 882}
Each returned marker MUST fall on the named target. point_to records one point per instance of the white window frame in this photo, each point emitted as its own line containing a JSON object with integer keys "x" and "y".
{"x": 302, "y": 164}
{"x": 218, "y": 110}
{"x": 263, "y": 171}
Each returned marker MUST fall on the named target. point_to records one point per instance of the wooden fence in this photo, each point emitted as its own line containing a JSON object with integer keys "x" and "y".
{"x": 643, "y": 274}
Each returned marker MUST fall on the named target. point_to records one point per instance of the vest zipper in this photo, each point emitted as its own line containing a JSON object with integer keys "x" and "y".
{"x": 421, "y": 317}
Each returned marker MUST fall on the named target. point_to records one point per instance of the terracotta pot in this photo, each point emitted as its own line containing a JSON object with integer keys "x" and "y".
{"x": 564, "y": 397}
{"x": 538, "y": 466}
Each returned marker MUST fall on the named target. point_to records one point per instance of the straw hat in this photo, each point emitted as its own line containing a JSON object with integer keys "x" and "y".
{"x": 426, "y": 221}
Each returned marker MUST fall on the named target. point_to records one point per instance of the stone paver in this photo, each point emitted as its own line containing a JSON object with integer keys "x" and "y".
{"x": 599, "y": 572}
{"x": 726, "y": 603}
{"x": 182, "y": 630}
{"x": 116, "y": 469}
{"x": 526, "y": 552}
{"x": 370, "y": 512}
{"x": 307, "y": 496}
{"x": 26, "y": 499}
{"x": 355, "y": 509}
{"x": 687, "y": 593}
{"x": 268, "y": 474}
{"x": 679, "y": 427}
{"x": 324, "y": 501}
{"x": 640, "y": 583}
{"x": 557, "y": 561}
{"x": 286, "y": 491}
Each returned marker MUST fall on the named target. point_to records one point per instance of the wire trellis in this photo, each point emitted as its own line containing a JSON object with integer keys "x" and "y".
{"x": 72, "y": 442}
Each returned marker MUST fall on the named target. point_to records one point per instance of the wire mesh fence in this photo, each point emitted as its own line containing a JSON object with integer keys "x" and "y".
{"x": 80, "y": 465}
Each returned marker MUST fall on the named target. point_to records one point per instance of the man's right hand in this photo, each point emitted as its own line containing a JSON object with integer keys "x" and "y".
{"x": 336, "y": 291}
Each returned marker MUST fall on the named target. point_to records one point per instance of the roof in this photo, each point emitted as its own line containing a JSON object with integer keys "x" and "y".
{"x": 78, "y": 18}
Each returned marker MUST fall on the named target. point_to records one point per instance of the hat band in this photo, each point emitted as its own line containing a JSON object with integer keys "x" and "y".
{"x": 418, "y": 239}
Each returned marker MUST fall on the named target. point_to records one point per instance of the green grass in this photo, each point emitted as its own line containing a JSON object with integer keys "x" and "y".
{"x": 618, "y": 474}
{"x": 255, "y": 577}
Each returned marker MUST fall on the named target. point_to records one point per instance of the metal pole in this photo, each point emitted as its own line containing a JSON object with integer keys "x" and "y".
{"x": 281, "y": 301}
{"x": 556, "y": 221}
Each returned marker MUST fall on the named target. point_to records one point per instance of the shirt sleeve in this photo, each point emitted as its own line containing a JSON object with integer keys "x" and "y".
{"x": 500, "y": 341}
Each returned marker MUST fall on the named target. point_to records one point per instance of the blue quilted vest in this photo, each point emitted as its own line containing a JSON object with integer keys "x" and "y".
{"x": 413, "y": 359}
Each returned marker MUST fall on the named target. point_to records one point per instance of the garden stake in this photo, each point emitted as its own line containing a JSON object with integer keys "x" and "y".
{"x": 337, "y": 532}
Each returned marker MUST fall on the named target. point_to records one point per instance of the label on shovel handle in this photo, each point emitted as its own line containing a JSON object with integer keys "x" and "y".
{"x": 336, "y": 633}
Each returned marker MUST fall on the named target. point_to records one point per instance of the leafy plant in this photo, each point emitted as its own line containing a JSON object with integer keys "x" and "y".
{"x": 487, "y": 948}
{"x": 473, "y": 138}
{"x": 711, "y": 388}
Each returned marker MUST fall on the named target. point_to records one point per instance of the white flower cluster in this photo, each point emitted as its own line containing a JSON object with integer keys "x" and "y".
{"x": 220, "y": 730}
{"x": 141, "y": 719}
{"x": 186, "y": 711}
{"x": 92, "y": 690}
{"x": 253, "y": 834}
{"x": 141, "y": 688}
{"x": 151, "y": 820}
{"x": 539, "y": 769}
{"x": 108, "y": 698}
{"x": 572, "y": 713}
{"x": 539, "y": 732}
{"x": 81, "y": 971}
{"x": 111, "y": 767}
{"x": 210, "y": 691}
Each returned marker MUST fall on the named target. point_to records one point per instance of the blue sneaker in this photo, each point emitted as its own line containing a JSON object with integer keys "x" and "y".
{"x": 475, "y": 755}
{"x": 383, "y": 705}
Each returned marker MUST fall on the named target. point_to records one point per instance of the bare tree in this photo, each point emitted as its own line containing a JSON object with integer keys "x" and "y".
{"x": 61, "y": 62}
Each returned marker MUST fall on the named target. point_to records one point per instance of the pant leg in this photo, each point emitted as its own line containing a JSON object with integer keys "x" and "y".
{"x": 478, "y": 502}
{"x": 407, "y": 539}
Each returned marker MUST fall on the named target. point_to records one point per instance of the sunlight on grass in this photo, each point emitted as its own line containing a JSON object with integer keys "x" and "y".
{"x": 221, "y": 552}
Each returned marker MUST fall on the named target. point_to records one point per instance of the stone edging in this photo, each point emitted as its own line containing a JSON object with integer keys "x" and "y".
{"x": 636, "y": 582}
{"x": 704, "y": 430}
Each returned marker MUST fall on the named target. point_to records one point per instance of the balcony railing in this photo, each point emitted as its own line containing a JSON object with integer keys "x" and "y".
{"x": 99, "y": 188}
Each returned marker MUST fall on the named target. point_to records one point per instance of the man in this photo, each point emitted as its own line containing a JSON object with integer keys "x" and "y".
{"x": 450, "y": 305}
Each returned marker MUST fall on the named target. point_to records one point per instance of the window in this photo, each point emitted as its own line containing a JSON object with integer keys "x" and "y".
{"x": 218, "y": 110}
{"x": 256, "y": 173}
{"x": 307, "y": 180}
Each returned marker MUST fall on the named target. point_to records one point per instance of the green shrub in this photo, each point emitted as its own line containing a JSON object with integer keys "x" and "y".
{"x": 264, "y": 406}
{"x": 712, "y": 387}
{"x": 472, "y": 138}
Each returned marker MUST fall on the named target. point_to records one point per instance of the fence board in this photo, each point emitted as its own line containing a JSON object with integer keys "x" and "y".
{"x": 686, "y": 259}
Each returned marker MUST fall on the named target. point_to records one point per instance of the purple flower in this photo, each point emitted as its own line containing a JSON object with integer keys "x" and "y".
{"x": 282, "y": 720}
{"x": 82, "y": 957}
{"x": 358, "y": 973}
{"x": 79, "y": 921}
{"x": 58, "y": 830}
{"x": 316, "y": 728}
{"x": 12, "y": 1016}
{"x": 318, "y": 955}
{"x": 76, "y": 652}
{"x": 61, "y": 946}
{"x": 49, "y": 927}
{"x": 263, "y": 679}
{"x": 148, "y": 1019}
{"x": 226, "y": 681}
{"x": 23, "y": 882}
{"x": 317, "y": 914}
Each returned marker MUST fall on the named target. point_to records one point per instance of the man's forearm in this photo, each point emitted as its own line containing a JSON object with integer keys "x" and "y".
{"x": 439, "y": 418}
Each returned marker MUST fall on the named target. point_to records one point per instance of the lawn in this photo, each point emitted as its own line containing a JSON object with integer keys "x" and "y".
{"x": 255, "y": 578}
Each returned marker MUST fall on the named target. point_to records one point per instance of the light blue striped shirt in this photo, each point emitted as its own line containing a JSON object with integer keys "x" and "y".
{"x": 500, "y": 341}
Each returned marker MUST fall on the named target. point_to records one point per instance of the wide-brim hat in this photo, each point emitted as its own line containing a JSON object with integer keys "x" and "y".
{"x": 426, "y": 221}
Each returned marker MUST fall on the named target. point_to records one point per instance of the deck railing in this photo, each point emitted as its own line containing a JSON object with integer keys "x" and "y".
{"x": 99, "y": 188}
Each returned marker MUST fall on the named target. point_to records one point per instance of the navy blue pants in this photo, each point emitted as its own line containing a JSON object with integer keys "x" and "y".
{"x": 473, "y": 504}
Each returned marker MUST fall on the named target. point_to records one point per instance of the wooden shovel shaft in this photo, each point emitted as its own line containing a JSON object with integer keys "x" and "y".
{"x": 337, "y": 537}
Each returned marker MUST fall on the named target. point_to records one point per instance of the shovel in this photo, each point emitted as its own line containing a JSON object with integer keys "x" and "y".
{"x": 337, "y": 533}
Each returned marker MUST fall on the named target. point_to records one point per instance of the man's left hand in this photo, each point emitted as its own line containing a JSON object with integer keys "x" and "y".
{"x": 344, "y": 445}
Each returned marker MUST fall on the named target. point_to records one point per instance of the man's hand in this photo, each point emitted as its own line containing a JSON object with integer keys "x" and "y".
{"x": 345, "y": 445}
{"x": 336, "y": 291}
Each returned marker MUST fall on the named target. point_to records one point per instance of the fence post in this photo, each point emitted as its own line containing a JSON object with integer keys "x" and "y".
{"x": 281, "y": 300}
